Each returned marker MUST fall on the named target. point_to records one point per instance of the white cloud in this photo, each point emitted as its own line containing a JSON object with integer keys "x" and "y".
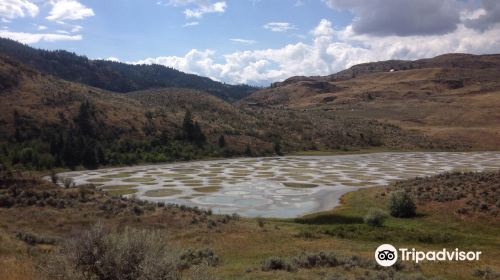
{"x": 330, "y": 50}
{"x": 69, "y": 10}
{"x": 324, "y": 28}
{"x": 31, "y": 38}
{"x": 114, "y": 59}
{"x": 243, "y": 41}
{"x": 279, "y": 26}
{"x": 10, "y": 9}
{"x": 192, "y": 23}
{"x": 40, "y": 27}
{"x": 205, "y": 8}
{"x": 76, "y": 28}
{"x": 200, "y": 8}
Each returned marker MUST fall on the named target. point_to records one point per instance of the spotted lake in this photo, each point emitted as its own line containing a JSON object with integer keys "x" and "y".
{"x": 279, "y": 186}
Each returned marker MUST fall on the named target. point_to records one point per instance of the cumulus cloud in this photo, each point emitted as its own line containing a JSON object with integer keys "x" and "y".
{"x": 324, "y": 28}
{"x": 217, "y": 7}
{"x": 31, "y": 38}
{"x": 279, "y": 26}
{"x": 329, "y": 51}
{"x": 485, "y": 17}
{"x": 200, "y": 8}
{"x": 114, "y": 59}
{"x": 69, "y": 10}
{"x": 10, "y": 9}
{"x": 402, "y": 17}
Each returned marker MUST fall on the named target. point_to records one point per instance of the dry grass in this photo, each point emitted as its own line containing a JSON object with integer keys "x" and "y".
{"x": 17, "y": 268}
{"x": 447, "y": 99}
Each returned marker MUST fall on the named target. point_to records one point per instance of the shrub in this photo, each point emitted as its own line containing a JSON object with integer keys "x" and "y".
{"x": 98, "y": 254}
{"x": 198, "y": 257}
{"x": 311, "y": 260}
{"x": 260, "y": 222}
{"x": 276, "y": 263}
{"x": 33, "y": 239}
{"x": 375, "y": 217}
{"x": 485, "y": 273}
{"x": 401, "y": 205}
{"x": 68, "y": 182}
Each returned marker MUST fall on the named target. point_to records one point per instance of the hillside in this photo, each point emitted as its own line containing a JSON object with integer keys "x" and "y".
{"x": 116, "y": 76}
{"x": 454, "y": 96}
{"x": 49, "y": 122}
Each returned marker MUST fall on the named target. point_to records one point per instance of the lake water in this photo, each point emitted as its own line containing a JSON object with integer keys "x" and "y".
{"x": 282, "y": 187}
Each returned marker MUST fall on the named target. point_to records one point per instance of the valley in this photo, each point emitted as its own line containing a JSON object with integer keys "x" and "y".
{"x": 148, "y": 165}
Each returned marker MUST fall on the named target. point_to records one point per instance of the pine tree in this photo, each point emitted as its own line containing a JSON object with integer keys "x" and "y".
{"x": 72, "y": 150}
{"x": 188, "y": 126}
{"x": 222, "y": 141}
{"x": 248, "y": 151}
{"x": 192, "y": 130}
{"x": 198, "y": 136}
{"x": 85, "y": 119}
{"x": 277, "y": 148}
{"x": 89, "y": 156}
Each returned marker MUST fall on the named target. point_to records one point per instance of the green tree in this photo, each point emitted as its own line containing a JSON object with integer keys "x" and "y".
{"x": 192, "y": 130}
{"x": 277, "y": 148}
{"x": 89, "y": 156}
{"x": 248, "y": 151}
{"x": 85, "y": 119}
{"x": 72, "y": 150}
{"x": 222, "y": 142}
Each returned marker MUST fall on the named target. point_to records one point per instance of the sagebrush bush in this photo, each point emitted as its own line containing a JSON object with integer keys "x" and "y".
{"x": 375, "y": 217}
{"x": 311, "y": 260}
{"x": 401, "y": 205}
{"x": 34, "y": 239}
{"x": 276, "y": 263}
{"x": 98, "y": 254}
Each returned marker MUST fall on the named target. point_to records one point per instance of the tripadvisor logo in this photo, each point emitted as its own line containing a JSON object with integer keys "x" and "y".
{"x": 388, "y": 255}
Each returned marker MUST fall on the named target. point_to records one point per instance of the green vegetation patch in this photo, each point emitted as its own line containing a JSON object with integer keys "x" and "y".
{"x": 296, "y": 185}
{"x": 119, "y": 187}
{"x": 118, "y": 175}
{"x": 210, "y": 189}
{"x": 162, "y": 192}
{"x": 208, "y": 175}
{"x": 120, "y": 192}
{"x": 139, "y": 180}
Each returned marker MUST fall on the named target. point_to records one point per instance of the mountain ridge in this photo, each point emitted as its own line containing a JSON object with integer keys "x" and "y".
{"x": 116, "y": 76}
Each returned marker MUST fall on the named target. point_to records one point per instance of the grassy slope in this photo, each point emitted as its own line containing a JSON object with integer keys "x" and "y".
{"x": 434, "y": 229}
{"x": 243, "y": 245}
{"x": 449, "y": 98}
{"x": 42, "y": 100}
{"x": 46, "y": 100}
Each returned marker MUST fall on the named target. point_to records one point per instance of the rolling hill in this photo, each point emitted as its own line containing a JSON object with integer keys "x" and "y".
{"x": 449, "y": 97}
{"x": 41, "y": 114}
{"x": 116, "y": 76}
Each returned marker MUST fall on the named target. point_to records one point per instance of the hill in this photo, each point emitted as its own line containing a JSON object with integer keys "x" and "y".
{"x": 116, "y": 76}
{"x": 454, "y": 96}
{"x": 47, "y": 122}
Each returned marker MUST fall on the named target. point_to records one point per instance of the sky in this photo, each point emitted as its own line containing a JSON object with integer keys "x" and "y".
{"x": 255, "y": 42}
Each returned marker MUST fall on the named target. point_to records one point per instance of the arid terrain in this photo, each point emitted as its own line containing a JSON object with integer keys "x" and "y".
{"x": 449, "y": 97}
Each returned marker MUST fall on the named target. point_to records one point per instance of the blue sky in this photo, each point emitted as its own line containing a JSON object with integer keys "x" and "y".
{"x": 255, "y": 41}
